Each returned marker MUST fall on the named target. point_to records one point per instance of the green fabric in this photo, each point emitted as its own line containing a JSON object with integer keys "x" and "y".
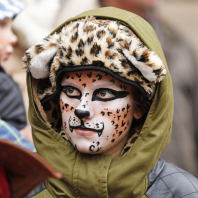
{"x": 101, "y": 176}
{"x": 44, "y": 194}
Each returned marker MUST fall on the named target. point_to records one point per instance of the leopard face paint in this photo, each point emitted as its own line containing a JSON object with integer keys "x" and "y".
{"x": 97, "y": 111}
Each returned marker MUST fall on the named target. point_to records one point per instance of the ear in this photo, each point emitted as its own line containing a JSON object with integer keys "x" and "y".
{"x": 37, "y": 58}
{"x": 39, "y": 64}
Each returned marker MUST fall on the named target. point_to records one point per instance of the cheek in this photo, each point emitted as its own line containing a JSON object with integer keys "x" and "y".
{"x": 67, "y": 111}
{"x": 121, "y": 120}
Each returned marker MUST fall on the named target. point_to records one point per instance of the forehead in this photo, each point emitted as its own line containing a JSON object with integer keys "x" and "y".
{"x": 91, "y": 77}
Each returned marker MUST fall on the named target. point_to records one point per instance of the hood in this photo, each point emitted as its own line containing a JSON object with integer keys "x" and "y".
{"x": 87, "y": 175}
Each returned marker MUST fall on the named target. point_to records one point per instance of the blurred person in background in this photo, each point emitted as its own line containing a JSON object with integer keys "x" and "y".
{"x": 182, "y": 150}
{"x": 11, "y": 103}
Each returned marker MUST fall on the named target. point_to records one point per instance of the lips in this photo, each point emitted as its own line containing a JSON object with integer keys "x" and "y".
{"x": 82, "y": 130}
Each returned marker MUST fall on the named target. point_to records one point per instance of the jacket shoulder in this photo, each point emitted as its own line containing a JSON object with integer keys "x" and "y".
{"x": 169, "y": 181}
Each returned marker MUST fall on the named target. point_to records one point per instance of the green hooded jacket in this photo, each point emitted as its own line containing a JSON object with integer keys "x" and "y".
{"x": 87, "y": 175}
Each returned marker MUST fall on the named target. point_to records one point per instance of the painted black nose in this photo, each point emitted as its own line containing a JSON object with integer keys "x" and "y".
{"x": 81, "y": 113}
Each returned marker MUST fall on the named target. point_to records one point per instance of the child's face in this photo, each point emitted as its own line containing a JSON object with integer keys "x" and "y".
{"x": 97, "y": 111}
{"x": 7, "y": 39}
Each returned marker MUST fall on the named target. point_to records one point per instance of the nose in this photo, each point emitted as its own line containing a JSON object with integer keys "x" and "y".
{"x": 13, "y": 38}
{"x": 81, "y": 113}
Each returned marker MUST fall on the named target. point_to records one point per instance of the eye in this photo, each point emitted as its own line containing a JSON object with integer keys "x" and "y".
{"x": 105, "y": 94}
{"x": 71, "y": 92}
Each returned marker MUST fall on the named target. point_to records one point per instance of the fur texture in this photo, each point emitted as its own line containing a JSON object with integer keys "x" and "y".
{"x": 89, "y": 40}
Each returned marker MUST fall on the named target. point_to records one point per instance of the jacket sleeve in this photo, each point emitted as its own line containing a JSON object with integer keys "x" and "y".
{"x": 12, "y": 109}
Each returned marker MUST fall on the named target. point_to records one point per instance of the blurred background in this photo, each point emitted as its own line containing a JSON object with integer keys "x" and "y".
{"x": 176, "y": 24}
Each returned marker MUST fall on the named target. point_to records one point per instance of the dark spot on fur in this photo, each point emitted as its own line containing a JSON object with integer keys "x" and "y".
{"x": 112, "y": 140}
{"x": 144, "y": 57}
{"x": 113, "y": 32}
{"x": 116, "y": 126}
{"x": 89, "y": 28}
{"x": 84, "y": 61}
{"x": 55, "y": 114}
{"x": 93, "y": 80}
{"x": 81, "y": 44}
{"x": 123, "y": 109}
{"x": 90, "y": 39}
{"x": 125, "y": 63}
{"x": 61, "y": 54}
{"x": 59, "y": 124}
{"x": 100, "y": 33}
{"x": 75, "y": 27}
{"x": 47, "y": 106}
{"x": 110, "y": 42}
{"x": 69, "y": 53}
{"x": 95, "y": 50}
{"x": 84, "y": 85}
{"x": 120, "y": 133}
{"x": 79, "y": 52}
{"x": 110, "y": 55}
{"x": 71, "y": 64}
{"x": 38, "y": 48}
{"x": 119, "y": 117}
{"x": 74, "y": 37}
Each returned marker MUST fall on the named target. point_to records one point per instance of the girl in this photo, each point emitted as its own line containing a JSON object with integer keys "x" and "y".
{"x": 101, "y": 107}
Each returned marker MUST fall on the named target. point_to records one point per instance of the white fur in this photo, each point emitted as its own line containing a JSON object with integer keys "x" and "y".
{"x": 146, "y": 71}
{"x": 38, "y": 66}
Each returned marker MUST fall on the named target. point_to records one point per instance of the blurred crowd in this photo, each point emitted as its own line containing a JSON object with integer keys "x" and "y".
{"x": 35, "y": 19}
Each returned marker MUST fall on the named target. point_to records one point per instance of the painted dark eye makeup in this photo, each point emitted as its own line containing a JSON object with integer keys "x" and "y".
{"x": 106, "y": 94}
{"x": 71, "y": 92}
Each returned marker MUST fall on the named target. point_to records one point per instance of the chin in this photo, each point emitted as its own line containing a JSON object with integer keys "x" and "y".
{"x": 87, "y": 149}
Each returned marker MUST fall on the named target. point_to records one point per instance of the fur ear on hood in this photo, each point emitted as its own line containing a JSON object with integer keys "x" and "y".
{"x": 38, "y": 57}
{"x": 39, "y": 64}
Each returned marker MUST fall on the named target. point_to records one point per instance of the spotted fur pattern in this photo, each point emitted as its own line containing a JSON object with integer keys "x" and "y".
{"x": 89, "y": 40}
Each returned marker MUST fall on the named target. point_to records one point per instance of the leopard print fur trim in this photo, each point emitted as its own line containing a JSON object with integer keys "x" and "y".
{"x": 88, "y": 40}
